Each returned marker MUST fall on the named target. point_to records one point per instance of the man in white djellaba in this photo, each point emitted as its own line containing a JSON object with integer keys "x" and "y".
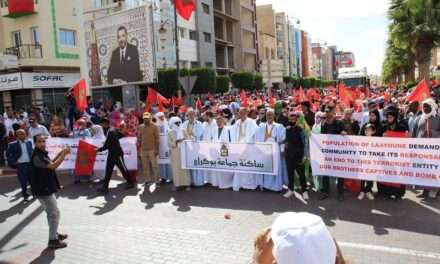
{"x": 272, "y": 132}
{"x": 244, "y": 131}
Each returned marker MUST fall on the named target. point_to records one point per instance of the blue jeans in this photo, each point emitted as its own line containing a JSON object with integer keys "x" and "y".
{"x": 23, "y": 170}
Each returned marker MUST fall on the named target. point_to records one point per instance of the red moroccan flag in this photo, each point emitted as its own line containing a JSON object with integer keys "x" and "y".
{"x": 345, "y": 95}
{"x": 85, "y": 158}
{"x": 185, "y": 8}
{"x": 420, "y": 93}
{"x": 151, "y": 99}
{"x": 80, "y": 95}
{"x": 243, "y": 99}
{"x": 272, "y": 102}
{"x": 354, "y": 186}
{"x": 176, "y": 101}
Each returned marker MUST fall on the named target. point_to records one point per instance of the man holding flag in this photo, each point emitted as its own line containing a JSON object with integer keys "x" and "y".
{"x": 115, "y": 157}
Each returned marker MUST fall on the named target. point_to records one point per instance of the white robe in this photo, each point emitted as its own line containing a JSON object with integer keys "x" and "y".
{"x": 277, "y": 135}
{"x": 245, "y": 180}
{"x": 209, "y": 131}
{"x": 221, "y": 179}
{"x": 197, "y": 176}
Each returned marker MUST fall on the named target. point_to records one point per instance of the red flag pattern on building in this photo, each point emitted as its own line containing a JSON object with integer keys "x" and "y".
{"x": 85, "y": 158}
{"x": 420, "y": 93}
{"x": 185, "y": 8}
{"x": 80, "y": 94}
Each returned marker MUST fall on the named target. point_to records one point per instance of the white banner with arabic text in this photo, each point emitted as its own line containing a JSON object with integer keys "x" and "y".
{"x": 259, "y": 158}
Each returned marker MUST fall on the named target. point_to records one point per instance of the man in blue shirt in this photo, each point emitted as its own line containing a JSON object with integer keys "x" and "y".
{"x": 19, "y": 157}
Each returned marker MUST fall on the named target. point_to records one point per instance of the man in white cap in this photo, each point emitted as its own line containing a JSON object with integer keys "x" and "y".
{"x": 297, "y": 238}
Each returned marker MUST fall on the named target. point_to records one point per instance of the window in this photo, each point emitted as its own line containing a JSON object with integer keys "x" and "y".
{"x": 67, "y": 37}
{"x": 192, "y": 35}
{"x": 16, "y": 38}
{"x": 205, "y": 8}
{"x": 182, "y": 33}
{"x": 207, "y": 37}
{"x": 35, "y": 35}
{"x": 208, "y": 64}
{"x": 195, "y": 64}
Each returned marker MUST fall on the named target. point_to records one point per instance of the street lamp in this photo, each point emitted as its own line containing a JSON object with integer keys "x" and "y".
{"x": 163, "y": 30}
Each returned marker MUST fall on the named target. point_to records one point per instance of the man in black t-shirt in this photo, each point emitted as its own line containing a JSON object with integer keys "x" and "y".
{"x": 333, "y": 127}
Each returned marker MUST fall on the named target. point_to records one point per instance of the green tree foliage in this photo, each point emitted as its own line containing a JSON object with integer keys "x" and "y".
{"x": 413, "y": 32}
{"x": 206, "y": 80}
{"x": 223, "y": 84}
{"x": 243, "y": 80}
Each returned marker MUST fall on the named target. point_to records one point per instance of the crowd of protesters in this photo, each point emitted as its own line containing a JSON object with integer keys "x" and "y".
{"x": 287, "y": 118}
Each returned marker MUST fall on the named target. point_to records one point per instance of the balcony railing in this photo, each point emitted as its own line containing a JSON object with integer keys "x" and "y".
{"x": 26, "y": 51}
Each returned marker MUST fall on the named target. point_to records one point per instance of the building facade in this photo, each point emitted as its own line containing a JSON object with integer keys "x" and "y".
{"x": 235, "y": 28}
{"x": 293, "y": 52}
{"x": 271, "y": 68}
{"x": 46, "y": 44}
{"x": 282, "y": 34}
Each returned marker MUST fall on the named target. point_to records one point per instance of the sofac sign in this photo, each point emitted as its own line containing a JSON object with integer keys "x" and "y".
{"x": 31, "y": 80}
{"x": 49, "y": 80}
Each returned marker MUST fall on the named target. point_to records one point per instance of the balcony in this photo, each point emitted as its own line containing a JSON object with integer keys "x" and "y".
{"x": 18, "y": 8}
{"x": 26, "y": 51}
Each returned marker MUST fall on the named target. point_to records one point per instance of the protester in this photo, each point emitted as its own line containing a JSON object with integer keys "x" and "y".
{"x": 44, "y": 184}
{"x": 57, "y": 128}
{"x": 351, "y": 126}
{"x": 427, "y": 125}
{"x": 367, "y": 186}
{"x": 297, "y": 238}
{"x": 272, "y": 132}
{"x": 308, "y": 113}
{"x": 244, "y": 131}
{"x": 149, "y": 140}
{"x": 181, "y": 177}
{"x": 294, "y": 155}
{"x": 375, "y": 120}
{"x": 162, "y": 124}
{"x": 81, "y": 131}
{"x": 19, "y": 157}
{"x": 115, "y": 158}
{"x": 194, "y": 131}
{"x": 392, "y": 124}
{"x": 36, "y": 129}
{"x": 333, "y": 127}
{"x": 411, "y": 116}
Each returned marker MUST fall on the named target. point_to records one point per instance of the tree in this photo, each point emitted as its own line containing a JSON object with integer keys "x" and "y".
{"x": 206, "y": 80}
{"x": 222, "y": 84}
{"x": 243, "y": 80}
{"x": 258, "y": 81}
{"x": 415, "y": 27}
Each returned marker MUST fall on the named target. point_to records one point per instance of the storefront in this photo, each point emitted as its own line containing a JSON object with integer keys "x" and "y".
{"x": 22, "y": 90}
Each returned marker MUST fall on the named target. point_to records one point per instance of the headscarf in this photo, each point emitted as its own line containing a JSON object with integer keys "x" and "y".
{"x": 158, "y": 121}
{"x": 98, "y": 132}
{"x": 177, "y": 129}
{"x": 434, "y": 108}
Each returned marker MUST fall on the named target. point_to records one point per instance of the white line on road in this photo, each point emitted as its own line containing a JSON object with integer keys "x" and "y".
{"x": 392, "y": 250}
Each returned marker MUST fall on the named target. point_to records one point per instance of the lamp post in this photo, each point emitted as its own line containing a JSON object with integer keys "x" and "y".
{"x": 163, "y": 30}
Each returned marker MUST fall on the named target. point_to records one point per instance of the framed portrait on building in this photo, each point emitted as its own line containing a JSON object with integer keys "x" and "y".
{"x": 120, "y": 48}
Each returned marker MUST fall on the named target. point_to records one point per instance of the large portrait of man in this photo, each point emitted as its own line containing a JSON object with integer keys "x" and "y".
{"x": 124, "y": 64}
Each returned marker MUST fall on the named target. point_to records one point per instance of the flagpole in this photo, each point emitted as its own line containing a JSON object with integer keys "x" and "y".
{"x": 176, "y": 36}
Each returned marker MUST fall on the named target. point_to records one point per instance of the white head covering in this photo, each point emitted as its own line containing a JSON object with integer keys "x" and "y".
{"x": 176, "y": 128}
{"x": 99, "y": 132}
{"x": 302, "y": 238}
{"x": 434, "y": 107}
{"x": 157, "y": 116}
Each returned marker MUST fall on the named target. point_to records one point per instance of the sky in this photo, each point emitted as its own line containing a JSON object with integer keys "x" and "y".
{"x": 359, "y": 26}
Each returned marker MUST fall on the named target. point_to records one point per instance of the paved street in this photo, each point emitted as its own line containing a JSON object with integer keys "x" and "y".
{"x": 189, "y": 227}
